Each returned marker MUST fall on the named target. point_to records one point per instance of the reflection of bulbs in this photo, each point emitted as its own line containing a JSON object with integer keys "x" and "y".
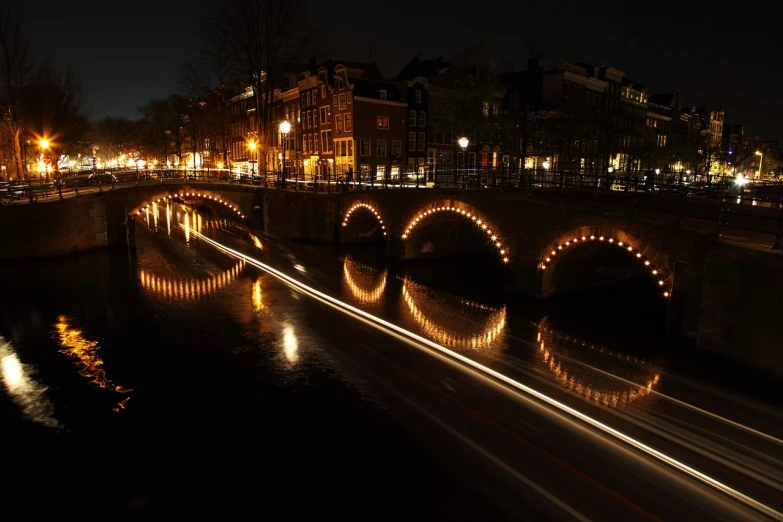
{"x": 355, "y": 273}
{"x": 484, "y": 340}
{"x": 188, "y": 289}
{"x": 556, "y": 364}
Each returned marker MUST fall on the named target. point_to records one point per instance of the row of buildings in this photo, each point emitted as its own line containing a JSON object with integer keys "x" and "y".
{"x": 575, "y": 118}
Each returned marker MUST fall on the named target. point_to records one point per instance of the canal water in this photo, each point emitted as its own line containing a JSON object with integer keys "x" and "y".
{"x": 183, "y": 384}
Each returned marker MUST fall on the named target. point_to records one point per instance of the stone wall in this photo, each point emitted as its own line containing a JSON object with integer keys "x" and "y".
{"x": 54, "y": 228}
{"x": 742, "y": 305}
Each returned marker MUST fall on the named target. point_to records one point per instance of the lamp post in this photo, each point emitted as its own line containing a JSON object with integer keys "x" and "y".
{"x": 285, "y": 128}
{"x": 463, "y": 143}
{"x": 761, "y": 160}
{"x": 252, "y": 146}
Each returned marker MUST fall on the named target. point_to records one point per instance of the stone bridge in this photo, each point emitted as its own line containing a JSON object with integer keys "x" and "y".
{"x": 545, "y": 245}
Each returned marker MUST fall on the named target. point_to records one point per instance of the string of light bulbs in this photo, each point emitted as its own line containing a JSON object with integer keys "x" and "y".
{"x": 480, "y": 223}
{"x": 657, "y": 273}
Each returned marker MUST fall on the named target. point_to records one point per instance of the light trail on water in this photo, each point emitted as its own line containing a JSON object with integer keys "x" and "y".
{"x": 410, "y": 336}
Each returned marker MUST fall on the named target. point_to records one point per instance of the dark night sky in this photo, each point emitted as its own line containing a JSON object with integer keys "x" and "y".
{"x": 127, "y": 52}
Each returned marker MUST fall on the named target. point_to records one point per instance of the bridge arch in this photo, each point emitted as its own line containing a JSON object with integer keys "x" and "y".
{"x": 189, "y": 194}
{"x": 655, "y": 264}
{"x": 457, "y": 208}
{"x": 366, "y": 207}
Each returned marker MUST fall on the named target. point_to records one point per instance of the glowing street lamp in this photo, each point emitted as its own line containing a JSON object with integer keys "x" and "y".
{"x": 610, "y": 169}
{"x": 44, "y": 143}
{"x": 252, "y": 146}
{"x": 545, "y": 164}
{"x": 761, "y": 159}
{"x": 463, "y": 142}
{"x": 285, "y": 128}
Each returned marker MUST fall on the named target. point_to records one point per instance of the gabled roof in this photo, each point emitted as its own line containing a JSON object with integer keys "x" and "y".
{"x": 424, "y": 68}
{"x": 368, "y": 70}
{"x": 369, "y": 89}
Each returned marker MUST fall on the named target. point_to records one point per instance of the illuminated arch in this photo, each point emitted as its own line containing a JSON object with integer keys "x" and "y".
{"x": 564, "y": 370}
{"x": 459, "y": 209}
{"x": 359, "y": 289}
{"x": 90, "y": 364}
{"x": 369, "y": 208}
{"x": 655, "y": 265}
{"x": 189, "y": 289}
{"x": 483, "y": 341}
{"x": 183, "y": 194}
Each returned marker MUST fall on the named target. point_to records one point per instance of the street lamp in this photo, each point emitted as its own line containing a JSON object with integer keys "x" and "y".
{"x": 463, "y": 143}
{"x": 610, "y": 169}
{"x": 252, "y": 146}
{"x": 761, "y": 159}
{"x": 545, "y": 164}
{"x": 44, "y": 145}
{"x": 285, "y": 128}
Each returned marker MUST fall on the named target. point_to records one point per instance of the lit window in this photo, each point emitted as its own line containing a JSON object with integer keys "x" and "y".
{"x": 383, "y": 122}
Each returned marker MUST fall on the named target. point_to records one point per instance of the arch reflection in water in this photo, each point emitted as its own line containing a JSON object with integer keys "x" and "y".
{"x": 23, "y": 390}
{"x": 90, "y": 365}
{"x": 363, "y": 282}
{"x": 443, "y": 319}
{"x": 182, "y": 289}
{"x": 569, "y": 360}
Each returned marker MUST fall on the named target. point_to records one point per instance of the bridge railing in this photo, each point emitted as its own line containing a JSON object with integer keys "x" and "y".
{"x": 754, "y": 207}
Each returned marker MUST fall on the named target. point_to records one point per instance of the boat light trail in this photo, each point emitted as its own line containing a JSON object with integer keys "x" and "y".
{"x": 652, "y": 452}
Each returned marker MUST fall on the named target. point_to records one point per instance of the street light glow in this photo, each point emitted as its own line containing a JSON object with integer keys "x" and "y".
{"x": 251, "y": 145}
{"x": 463, "y": 142}
{"x": 44, "y": 143}
{"x": 545, "y": 164}
{"x": 285, "y": 127}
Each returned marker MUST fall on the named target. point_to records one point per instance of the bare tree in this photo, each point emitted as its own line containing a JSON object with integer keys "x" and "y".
{"x": 15, "y": 69}
{"x": 257, "y": 37}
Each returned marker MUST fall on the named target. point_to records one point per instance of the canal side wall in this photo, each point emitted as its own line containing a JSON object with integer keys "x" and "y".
{"x": 55, "y": 228}
{"x": 742, "y": 305}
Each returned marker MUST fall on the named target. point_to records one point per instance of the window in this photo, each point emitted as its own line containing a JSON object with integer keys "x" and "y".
{"x": 339, "y": 83}
{"x": 326, "y": 141}
{"x": 339, "y": 123}
{"x": 310, "y": 119}
{"x": 383, "y": 122}
{"x": 304, "y": 142}
{"x": 412, "y": 118}
{"x": 315, "y": 143}
{"x": 417, "y": 96}
{"x": 310, "y": 142}
{"x": 334, "y": 100}
{"x": 348, "y": 96}
{"x": 412, "y": 141}
{"x": 303, "y": 100}
{"x": 307, "y": 97}
{"x": 342, "y": 101}
{"x": 422, "y": 118}
{"x": 485, "y": 109}
{"x": 365, "y": 145}
{"x": 396, "y": 148}
{"x": 326, "y": 115}
{"x": 323, "y": 91}
{"x": 381, "y": 148}
{"x": 315, "y": 97}
{"x": 347, "y": 123}
{"x": 350, "y": 148}
{"x": 315, "y": 117}
{"x": 382, "y": 94}
{"x": 422, "y": 141}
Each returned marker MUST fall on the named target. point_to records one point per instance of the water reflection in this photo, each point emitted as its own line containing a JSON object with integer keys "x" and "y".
{"x": 364, "y": 283}
{"x": 290, "y": 344}
{"x": 592, "y": 371}
{"x": 190, "y": 289}
{"x": 28, "y": 394}
{"x": 444, "y": 319}
{"x": 90, "y": 365}
{"x": 258, "y": 298}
